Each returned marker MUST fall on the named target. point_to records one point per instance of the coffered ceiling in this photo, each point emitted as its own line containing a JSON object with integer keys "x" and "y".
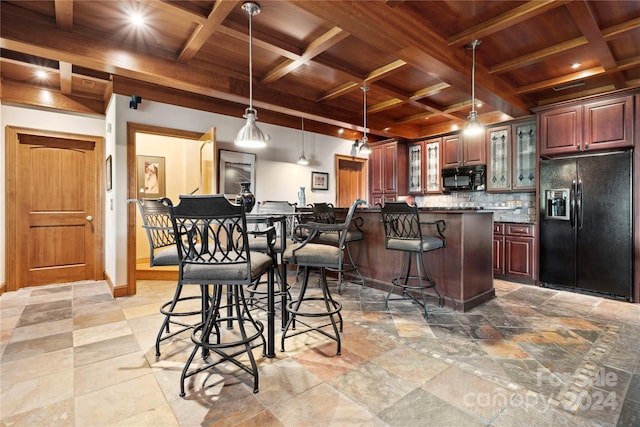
{"x": 311, "y": 58}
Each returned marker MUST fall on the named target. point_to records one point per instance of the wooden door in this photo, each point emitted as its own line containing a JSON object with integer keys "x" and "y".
{"x": 351, "y": 181}
{"x": 58, "y": 221}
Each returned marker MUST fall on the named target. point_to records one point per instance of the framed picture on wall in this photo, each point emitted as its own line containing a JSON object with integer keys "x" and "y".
{"x": 319, "y": 181}
{"x": 151, "y": 177}
{"x": 235, "y": 167}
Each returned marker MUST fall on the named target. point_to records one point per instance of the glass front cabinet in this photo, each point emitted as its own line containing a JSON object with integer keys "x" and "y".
{"x": 511, "y": 154}
{"x": 424, "y": 167}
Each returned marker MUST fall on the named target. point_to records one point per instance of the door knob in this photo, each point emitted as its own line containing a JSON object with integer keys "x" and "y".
{"x": 89, "y": 218}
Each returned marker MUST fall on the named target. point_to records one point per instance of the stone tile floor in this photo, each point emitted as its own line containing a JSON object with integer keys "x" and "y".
{"x": 71, "y": 355}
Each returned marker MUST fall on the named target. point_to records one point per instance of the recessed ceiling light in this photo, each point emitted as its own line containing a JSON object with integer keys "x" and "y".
{"x": 41, "y": 74}
{"x": 575, "y": 65}
{"x": 340, "y": 131}
{"x": 479, "y": 104}
{"x": 137, "y": 19}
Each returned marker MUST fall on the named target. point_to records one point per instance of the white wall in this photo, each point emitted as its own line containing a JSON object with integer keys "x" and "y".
{"x": 32, "y": 118}
{"x": 278, "y": 177}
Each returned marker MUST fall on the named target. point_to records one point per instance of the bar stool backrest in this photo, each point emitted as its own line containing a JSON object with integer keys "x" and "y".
{"x": 156, "y": 222}
{"x": 324, "y": 213}
{"x": 280, "y": 207}
{"x": 401, "y": 221}
{"x": 211, "y": 230}
{"x": 402, "y": 224}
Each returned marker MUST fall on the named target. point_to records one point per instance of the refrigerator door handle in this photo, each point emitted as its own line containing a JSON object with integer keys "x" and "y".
{"x": 579, "y": 205}
{"x": 572, "y": 204}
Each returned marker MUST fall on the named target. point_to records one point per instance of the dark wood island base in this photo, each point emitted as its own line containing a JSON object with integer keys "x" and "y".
{"x": 463, "y": 270}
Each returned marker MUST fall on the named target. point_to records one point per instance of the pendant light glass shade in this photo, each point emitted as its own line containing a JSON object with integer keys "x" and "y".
{"x": 250, "y": 136}
{"x": 302, "y": 160}
{"x": 365, "y": 148}
{"x": 473, "y": 127}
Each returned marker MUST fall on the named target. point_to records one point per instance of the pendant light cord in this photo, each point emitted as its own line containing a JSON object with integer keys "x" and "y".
{"x": 250, "y": 63}
{"x": 473, "y": 77}
{"x": 364, "y": 90}
{"x": 302, "y": 136}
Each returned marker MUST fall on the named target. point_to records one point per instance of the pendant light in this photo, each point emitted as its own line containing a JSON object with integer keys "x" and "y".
{"x": 365, "y": 148}
{"x": 250, "y": 136}
{"x": 303, "y": 160}
{"x": 473, "y": 126}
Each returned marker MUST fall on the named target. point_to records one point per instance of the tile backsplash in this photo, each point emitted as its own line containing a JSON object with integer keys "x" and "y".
{"x": 509, "y": 207}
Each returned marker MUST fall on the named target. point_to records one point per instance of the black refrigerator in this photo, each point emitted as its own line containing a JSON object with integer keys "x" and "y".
{"x": 586, "y": 239}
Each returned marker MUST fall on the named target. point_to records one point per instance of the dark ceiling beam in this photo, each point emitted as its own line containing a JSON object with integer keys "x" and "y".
{"x": 316, "y": 47}
{"x": 202, "y": 33}
{"x": 512, "y": 17}
{"x": 537, "y": 56}
{"x": 64, "y": 14}
{"x": 540, "y": 55}
{"x": 177, "y": 10}
{"x": 49, "y": 98}
{"x": 65, "y": 77}
{"x": 99, "y": 55}
{"x": 391, "y": 30}
{"x": 568, "y": 78}
{"x": 583, "y": 16}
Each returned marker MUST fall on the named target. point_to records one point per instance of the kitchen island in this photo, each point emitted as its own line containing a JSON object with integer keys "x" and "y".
{"x": 463, "y": 270}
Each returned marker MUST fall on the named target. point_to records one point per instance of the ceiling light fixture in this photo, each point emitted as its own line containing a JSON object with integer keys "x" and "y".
{"x": 364, "y": 147}
{"x": 137, "y": 19}
{"x": 303, "y": 160}
{"x": 250, "y": 136}
{"x": 473, "y": 126}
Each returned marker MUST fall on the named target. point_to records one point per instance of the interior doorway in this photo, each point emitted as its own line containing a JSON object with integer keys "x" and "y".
{"x": 54, "y": 204}
{"x": 351, "y": 180}
{"x": 189, "y": 160}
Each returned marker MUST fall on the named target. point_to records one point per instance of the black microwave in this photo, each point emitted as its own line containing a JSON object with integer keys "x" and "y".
{"x": 464, "y": 178}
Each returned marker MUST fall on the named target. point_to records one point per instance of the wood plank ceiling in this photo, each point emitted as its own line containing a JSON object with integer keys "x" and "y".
{"x": 311, "y": 58}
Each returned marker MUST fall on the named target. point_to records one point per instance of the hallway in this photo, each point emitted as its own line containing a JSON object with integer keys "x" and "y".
{"x": 74, "y": 356}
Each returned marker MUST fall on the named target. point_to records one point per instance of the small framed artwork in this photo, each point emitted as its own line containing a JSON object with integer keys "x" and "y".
{"x": 319, "y": 181}
{"x": 108, "y": 173}
{"x": 235, "y": 167}
{"x": 151, "y": 177}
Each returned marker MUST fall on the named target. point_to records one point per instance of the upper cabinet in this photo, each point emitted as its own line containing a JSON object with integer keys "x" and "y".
{"x": 388, "y": 171}
{"x": 511, "y": 157}
{"x": 595, "y": 125}
{"x": 424, "y": 166}
{"x": 460, "y": 150}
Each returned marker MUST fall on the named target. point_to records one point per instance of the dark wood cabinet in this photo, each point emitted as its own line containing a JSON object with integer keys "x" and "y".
{"x": 452, "y": 151}
{"x": 608, "y": 124}
{"x": 498, "y": 249}
{"x": 424, "y": 167}
{"x": 595, "y": 125}
{"x": 511, "y": 157}
{"x": 474, "y": 149}
{"x": 460, "y": 150}
{"x": 388, "y": 176}
{"x": 514, "y": 251}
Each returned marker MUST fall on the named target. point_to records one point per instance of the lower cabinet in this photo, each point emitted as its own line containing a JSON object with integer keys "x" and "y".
{"x": 513, "y": 251}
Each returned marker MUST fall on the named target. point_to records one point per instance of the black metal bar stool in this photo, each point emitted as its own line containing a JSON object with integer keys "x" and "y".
{"x": 325, "y": 213}
{"x": 307, "y": 255}
{"x": 404, "y": 232}
{"x": 156, "y": 222}
{"x": 213, "y": 248}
